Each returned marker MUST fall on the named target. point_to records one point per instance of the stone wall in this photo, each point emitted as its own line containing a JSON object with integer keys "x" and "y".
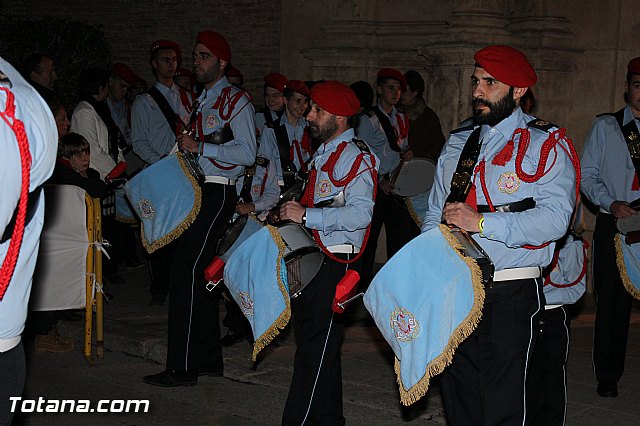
{"x": 252, "y": 27}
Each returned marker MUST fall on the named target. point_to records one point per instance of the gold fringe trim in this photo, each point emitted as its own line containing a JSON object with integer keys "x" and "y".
{"x": 466, "y": 327}
{"x": 624, "y": 275}
{"x": 186, "y": 223}
{"x": 412, "y": 212}
{"x": 284, "y": 317}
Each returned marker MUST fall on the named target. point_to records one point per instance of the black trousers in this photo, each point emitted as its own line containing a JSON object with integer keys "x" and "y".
{"x": 160, "y": 262}
{"x": 194, "y": 332}
{"x": 485, "y": 384}
{"x": 547, "y": 378}
{"x": 400, "y": 228}
{"x": 613, "y": 304}
{"x": 12, "y": 376}
{"x": 315, "y": 395}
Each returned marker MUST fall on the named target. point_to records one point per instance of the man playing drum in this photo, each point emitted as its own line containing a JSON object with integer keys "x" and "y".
{"x": 341, "y": 164}
{"x": 155, "y": 118}
{"x": 226, "y": 144}
{"x": 526, "y": 190}
{"x": 390, "y": 208}
{"x": 610, "y": 170}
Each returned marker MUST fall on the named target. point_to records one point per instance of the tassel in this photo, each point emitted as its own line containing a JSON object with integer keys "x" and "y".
{"x": 504, "y": 155}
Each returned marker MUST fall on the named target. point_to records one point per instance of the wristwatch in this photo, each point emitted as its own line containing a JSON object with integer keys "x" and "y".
{"x": 304, "y": 218}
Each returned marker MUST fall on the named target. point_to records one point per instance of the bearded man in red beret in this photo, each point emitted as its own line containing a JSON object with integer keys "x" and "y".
{"x": 495, "y": 180}
{"x": 342, "y": 166}
{"x": 610, "y": 181}
{"x": 224, "y": 142}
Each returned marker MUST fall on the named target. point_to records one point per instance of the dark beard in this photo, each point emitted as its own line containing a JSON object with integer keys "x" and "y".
{"x": 320, "y": 135}
{"x": 498, "y": 111}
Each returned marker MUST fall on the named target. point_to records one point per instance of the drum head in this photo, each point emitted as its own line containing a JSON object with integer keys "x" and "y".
{"x": 230, "y": 234}
{"x": 415, "y": 177}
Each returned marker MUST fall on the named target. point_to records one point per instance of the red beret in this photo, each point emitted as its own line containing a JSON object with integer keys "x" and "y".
{"x": 123, "y": 72}
{"x": 231, "y": 71}
{"x": 634, "y": 66}
{"x": 183, "y": 72}
{"x": 506, "y": 64}
{"x": 298, "y": 86}
{"x": 167, "y": 44}
{"x": 335, "y": 98}
{"x": 275, "y": 80}
{"x": 394, "y": 74}
{"x": 217, "y": 44}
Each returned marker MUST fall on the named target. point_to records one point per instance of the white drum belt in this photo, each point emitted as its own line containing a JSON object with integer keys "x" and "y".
{"x": 344, "y": 248}
{"x": 8, "y": 344}
{"x": 516, "y": 274}
{"x": 219, "y": 179}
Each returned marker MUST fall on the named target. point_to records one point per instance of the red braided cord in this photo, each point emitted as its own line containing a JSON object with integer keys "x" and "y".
{"x": 523, "y": 144}
{"x": 556, "y": 255}
{"x": 328, "y": 167}
{"x": 9, "y": 263}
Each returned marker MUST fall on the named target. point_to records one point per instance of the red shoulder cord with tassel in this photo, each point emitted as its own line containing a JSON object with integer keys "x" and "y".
{"x": 9, "y": 263}
{"x": 554, "y": 263}
{"x": 328, "y": 167}
{"x": 523, "y": 144}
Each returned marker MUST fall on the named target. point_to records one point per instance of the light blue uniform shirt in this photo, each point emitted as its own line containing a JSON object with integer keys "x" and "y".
{"x": 607, "y": 169}
{"x": 505, "y": 233}
{"x": 342, "y": 225}
{"x": 261, "y": 121}
{"x": 151, "y": 136}
{"x": 265, "y": 191}
{"x": 41, "y": 132}
{"x": 234, "y": 155}
{"x": 269, "y": 144}
{"x": 120, "y": 116}
{"x": 372, "y": 135}
{"x": 389, "y": 159}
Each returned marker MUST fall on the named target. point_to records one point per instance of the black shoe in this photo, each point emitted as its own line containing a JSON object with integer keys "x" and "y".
{"x": 170, "y": 379}
{"x": 608, "y": 390}
{"x": 231, "y": 338}
{"x": 157, "y": 300}
{"x": 211, "y": 371}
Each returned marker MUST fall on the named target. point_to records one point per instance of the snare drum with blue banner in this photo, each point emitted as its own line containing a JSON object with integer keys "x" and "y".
{"x": 166, "y": 197}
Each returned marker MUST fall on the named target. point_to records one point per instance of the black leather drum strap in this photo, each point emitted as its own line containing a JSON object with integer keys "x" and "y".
{"x": 461, "y": 179}
{"x": 389, "y": 131}
{"x": 167, "y": 111}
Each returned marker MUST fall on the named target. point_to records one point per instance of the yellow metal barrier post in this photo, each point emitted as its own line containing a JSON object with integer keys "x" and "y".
{"x": 88, "y": 319}
{"x": 99, "y": 291}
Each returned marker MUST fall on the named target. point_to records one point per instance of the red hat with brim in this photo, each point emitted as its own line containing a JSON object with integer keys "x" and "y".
{"x": 275, "y": 80}
{"x": 506, "y": 64}
{"x": 216, "y": 43}
{"x": 336, "y": 98}
{"x": 298, "y": 86}
{"x": 123, "y": 72}
{"x": 394, "y": 74}
{"x": 634, "y": 66}
{"x": 167, "y": 44}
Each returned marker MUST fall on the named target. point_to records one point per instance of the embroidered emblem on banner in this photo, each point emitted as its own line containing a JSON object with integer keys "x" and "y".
{"x": 145, "y": 209}
{"x": 508, "y": 182}
{"x": 404, "y": 324}
{"x": 324, "y": 188}
{"x": 246, "y": 303}
{"x": 212, "y": 121}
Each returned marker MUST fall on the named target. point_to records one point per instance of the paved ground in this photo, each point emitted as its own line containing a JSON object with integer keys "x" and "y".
{"x": 135, "y": 340}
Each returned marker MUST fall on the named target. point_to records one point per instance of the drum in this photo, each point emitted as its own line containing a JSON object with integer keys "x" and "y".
{"x": 414, "y": 177}
{"x": 472, "y": 249}
{"x": 191, "y": 163}
{"x": 235, "y": 233}
{"x": 166, "y": 198}
{"x": 124, "y": 213}
{"x": 302, "y": 257}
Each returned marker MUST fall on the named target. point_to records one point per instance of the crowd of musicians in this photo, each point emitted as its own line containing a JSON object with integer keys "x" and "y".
{"x": 325, "y": 156}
